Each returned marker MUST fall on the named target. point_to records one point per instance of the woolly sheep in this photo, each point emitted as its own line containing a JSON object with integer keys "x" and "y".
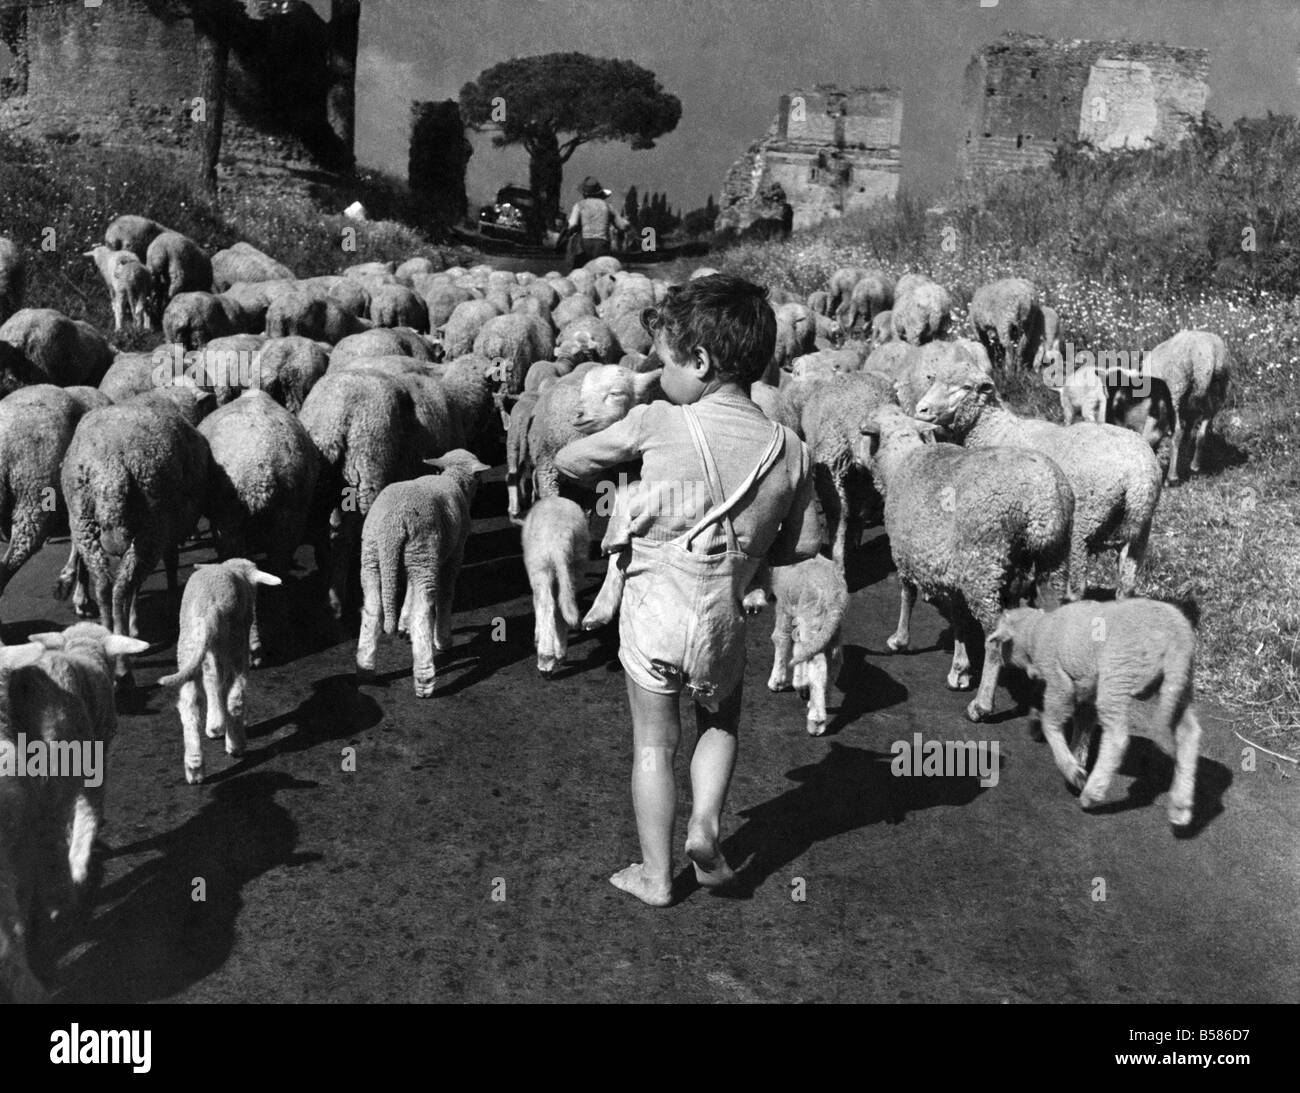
{"x": 882, "y": 328}
{"x": 218, "y": 614}
{"x": 392, "y": 364}
{"x": 872, "y": 294}
{"x": 187, "y": 399}
{"x": 264, "y": 471}
{"x": 917, "y": 370}
{"x": 358, "y": 422}
{"x": 588, "y": 339}
{"x": 288, "y": 369}
{"x": 311, "y": 317}
{"x": 16, "y": 370}
{"x": 383, "y": 341}
{"x": 519, "y": 469}
{"x": 819, "y": 302}
{"x": 1083, "y": 396}
{"x": 811, "y": 598}
{"x": 630, "y": 334}
{"x": 1094, "y": 660}
{"x": 516, "y": 340}
{"x": 413, "y": 266}
{"x": 1114, "y": 475}
{"x": 133, "y": 233}
{"x": 397, "y": 305}
{"x": 922, "y": 313}
{"x": 825, "y": 363}
{"x": 130, "y": 287}
{"x": 827, "y": 333}
{"x": 65, "y": 351}
{"x": 1142, "y": 404}
{"x": 254, "y": 299}
{"x": 416, "y": 531}
{"x": 1007, "y": 320}
{"x": 177, "y": 264}
{"x": 555, "y": 543}
{"x": 605, "y": 263}
{"x": 36, "y": 427}
{"x": 131, "y": 374}
{"x": 193, "y": 319}
{"x": 462, "y": 328}
{"x": 571, "y": 308}
{"x": 830, "y": 422}
{"x": 1196, "y": 367}
{"x": 969, "y": 527}
{"x": 839, "y": 287}
{"x": 443, "y": 301}
{"x": 244, "y": 262}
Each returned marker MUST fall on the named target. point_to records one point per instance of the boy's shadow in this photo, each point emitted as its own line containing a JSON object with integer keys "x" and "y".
{"x": 847, "y": 789}
{"x": 158, "y": 937}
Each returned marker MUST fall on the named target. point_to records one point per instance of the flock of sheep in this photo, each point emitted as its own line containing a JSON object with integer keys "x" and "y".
{"x": 290, "y": 411}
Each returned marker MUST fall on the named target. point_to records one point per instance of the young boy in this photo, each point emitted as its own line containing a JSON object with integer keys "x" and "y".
{"x": 681, "y": 625}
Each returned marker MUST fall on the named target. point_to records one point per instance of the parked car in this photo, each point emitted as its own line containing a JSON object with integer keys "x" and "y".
{"x": 512, "y": 217}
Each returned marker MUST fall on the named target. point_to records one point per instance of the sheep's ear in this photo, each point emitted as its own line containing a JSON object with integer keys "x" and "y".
{"x": 437, "y": 462}
{"x": 259, "y": 577}
{"x": 476, "y": 466}
{"x": 119, "y": 645}
{"x": 51, "y": 639}
{"x": 88, "y": 254}
{"x": 986, "y": 387}
{"x": 19, "y": 656}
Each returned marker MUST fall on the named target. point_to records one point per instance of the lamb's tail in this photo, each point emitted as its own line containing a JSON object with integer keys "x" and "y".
{"x": 192, "y": 669}
{"x": 390, "y": 579}
{"x": 566, "y": 595}
{"x": 819, "y": 611}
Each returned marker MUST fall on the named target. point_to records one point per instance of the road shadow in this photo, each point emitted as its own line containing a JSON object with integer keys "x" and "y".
{"x": 153, "y": 936}
{"x": 866, "y": 688}
{"x": 847, "y": 789}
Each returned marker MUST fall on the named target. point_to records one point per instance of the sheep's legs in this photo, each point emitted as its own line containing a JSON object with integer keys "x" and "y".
{"x": 422, "y": 643}
{"x": 131, "y": 572}
{"x": 444, "y": 598}
{"x": 213, "y": 691}
{"x": 1077, "y": 582}
{"x": 404, "y": 617}
{"x": 343, "y": 536}
{"x": 1085, "y": 724}
{"x": 783, "y": 649}
{"x": 235, "y": 737}
{"x": 1054, "y": 715}
{"x": 545, "y": 621}
{"x": 959, "y": 673}
{"x": 191, "y": 711}
{"x": 903, "y": 635}
{"x": 1131, "y": 555}
{"x": 1187, "y": 744}
{"x": 839, "y": 544}
{"x": 1113, "y": 712}
{"x": 1202, "y": 431}
{"x": 816, "y": 678}
{"x": 982, "y": 704}
{"x": 371, "y": 617}
{"x": 85, "y": 823}
{"x": 1176, "y": 447}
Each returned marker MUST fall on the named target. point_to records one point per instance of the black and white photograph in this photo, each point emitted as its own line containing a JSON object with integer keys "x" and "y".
{"x": 636, "y": 501}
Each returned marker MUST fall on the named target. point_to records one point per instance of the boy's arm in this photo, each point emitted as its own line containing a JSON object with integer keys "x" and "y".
{"x": 622, "y": 442}
{"x": 798, "y": 538}
{"x": 575, "y": 215}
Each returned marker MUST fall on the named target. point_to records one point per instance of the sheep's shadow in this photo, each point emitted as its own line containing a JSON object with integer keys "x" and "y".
{"x": 866, "y": 688}
{"x": 154, "y": 937}
{"x": 847, "y": 789}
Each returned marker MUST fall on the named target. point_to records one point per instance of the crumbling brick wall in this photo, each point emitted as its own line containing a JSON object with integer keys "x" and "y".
{"x": 830, "y": 150}
{"x": 127, "y": 73}
{"x": 1026, "y": 95}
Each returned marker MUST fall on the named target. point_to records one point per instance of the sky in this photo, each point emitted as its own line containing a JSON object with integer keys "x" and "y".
{"x": 730, "y": 60}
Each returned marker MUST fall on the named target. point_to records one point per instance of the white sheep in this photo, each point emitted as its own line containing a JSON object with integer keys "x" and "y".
{"x": 397, "y": 305}
{"x": 969, "y": 527}
{"x": 1094, "y": 659}
{"x": 133, "y": 233}
{"x": 1083, "y": 396}
{"x": 218, "y": 614}
{"x": 811, "y": 598}
{"x": 130, "y": 286}
{"x": 1114, "y": 475}
{"x": 587, "y": 338}
{"x": 313, "y": 317}
{"x": 65, "y": 351}
{"x": 1196, "y": 367}
{"x": 244, "y": 262}
{"x": 555, "y": 543}
{"x": 1008, "y": 321}
{"x": 288, "y": 369}
{"x": 462, "y": 327}
{"x": 872, "y": 294}
{"x": 177, "y": 264}
{"x": 192, "y": 319}
{"x": 416, "y": 531}
{"x": 921, "y": 313}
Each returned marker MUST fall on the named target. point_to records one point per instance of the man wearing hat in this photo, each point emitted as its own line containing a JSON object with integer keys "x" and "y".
{"x": 591, "y": 219}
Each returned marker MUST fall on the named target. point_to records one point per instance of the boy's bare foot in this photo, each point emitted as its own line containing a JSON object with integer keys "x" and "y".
{"x": 633, "y": 879}
{"x": 711, "y": 868}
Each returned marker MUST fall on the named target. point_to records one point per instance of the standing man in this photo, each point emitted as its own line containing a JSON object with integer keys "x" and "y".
{"x": 591, "y": 219}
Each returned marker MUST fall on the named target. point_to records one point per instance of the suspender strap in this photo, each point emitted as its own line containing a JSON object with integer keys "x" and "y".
{"x": 721, "y": 510}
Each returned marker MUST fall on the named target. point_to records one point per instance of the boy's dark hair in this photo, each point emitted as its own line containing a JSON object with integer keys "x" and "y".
{"x": 728, "y": 316}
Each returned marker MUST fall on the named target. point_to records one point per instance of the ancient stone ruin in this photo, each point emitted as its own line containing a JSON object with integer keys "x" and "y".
{"x": 439, "y": 155}
{"x": 127, "y": 73}
{"x": 1026, "y": 95}
{"x": 828, "y": 152}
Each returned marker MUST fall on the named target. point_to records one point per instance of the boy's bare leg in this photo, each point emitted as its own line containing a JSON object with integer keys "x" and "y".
{"x": 711, "y": 768}
{"x": 656, "y": 729}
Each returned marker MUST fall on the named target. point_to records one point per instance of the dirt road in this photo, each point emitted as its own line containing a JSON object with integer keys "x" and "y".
{"x": 378, "y": 884}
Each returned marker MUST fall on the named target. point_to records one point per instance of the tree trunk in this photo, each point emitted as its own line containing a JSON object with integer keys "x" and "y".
{"x": 340, "y": 103}
{"x": 546, "y": 175}
{"x": 213, "y": 57}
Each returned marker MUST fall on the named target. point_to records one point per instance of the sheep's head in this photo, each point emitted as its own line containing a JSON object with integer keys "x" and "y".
{"x": 462, "y": 466}
{"x": 950, "y": 378}
{"x": 1010, "y": 633}
{"x": 606, "y": 395}
{"x": 882, "y": 423}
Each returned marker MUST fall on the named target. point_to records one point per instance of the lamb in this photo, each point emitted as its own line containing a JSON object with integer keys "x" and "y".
{"x": 358, "y": 422}
{"x": 922, "y": 313}
{"x": 130, "y": 287}
{"x": 397, "y": 305}
{"x": 177, "y": 265}
{"x": 193, "y": 319}
{"x": 587, "y": 339}
{"x": 819, "y": 302}
{"x": 218, "y": 614}
{"x": 244, "y": 262}
{"x": 65, "y": 351}
{"x": 1114, "y": 475}
{"x": 811, "y": 598}
{"x": 311, "y": 317}
{"x": 517, "y": 340}
{"x": 519, "y": 469}
{"x": 871, "y": 294}
{"x": 264, "y": 470}
{"x": 416, "y": 530}
{"x": 1142, "y": 404}
{"x": 1007, "y": 320}
{"x": 555, "y": 542}
{"x": 1094, "y": 659}
{"x": 462, "y": 328}
{"x": 36, "y": 427}
{"x": 839, "y": 287}
{"x": 1196, "y": 367}
{"x": 383, "y": 341}
{"x": 134, "y": 234}
{"x": 1083, "y": 396}
{"x": 135, "y": 479}
{"x": 572, "y": 307}
{"x": 13, "y": 278}
{"x": 288, "y": 369}
{"x": 795, "y": 337}
{"x": 830, "y": 421}
{"x": 969, "y": 526}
